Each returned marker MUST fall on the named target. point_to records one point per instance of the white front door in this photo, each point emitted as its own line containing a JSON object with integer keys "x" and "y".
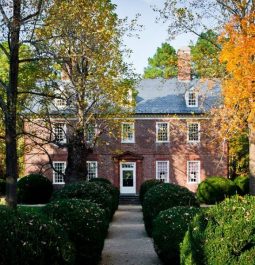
{"x": 127, "y": 177}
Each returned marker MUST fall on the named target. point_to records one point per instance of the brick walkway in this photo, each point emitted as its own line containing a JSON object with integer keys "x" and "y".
{"x": 127, "y": 242}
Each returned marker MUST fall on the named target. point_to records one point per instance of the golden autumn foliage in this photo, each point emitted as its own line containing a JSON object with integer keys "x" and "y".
{"x": 238, "y": 52}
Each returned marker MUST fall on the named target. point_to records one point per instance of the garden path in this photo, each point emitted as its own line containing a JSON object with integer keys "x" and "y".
{"x": 127, "y": 242}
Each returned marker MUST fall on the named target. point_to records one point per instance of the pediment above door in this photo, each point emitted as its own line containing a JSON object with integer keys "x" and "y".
{"x": 127, "y": 156}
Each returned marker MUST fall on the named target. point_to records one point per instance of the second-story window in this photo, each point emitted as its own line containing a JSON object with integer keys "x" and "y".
{"x": 193, "y": 132}
{"x": 90, "y": 133}
{"x": 59, "y": 131}
{"x": 128, "y": 132}
{"x": 92, "y": 169}
{"x": 162, "y": 132}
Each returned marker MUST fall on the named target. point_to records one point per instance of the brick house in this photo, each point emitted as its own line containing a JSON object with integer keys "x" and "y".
{"x": 166, "y": 138}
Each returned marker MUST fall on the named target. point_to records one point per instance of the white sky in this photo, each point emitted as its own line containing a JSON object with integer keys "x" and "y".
{"x": 153, "y": 33}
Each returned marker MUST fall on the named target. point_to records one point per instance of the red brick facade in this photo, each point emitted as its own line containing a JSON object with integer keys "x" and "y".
{"x": 145, "y": 151}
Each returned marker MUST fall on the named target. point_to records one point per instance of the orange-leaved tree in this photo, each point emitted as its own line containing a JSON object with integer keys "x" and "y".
{"x": 238, "y": 52}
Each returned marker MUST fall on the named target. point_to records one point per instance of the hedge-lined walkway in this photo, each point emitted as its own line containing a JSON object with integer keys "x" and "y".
{"x": 127, "y": 242}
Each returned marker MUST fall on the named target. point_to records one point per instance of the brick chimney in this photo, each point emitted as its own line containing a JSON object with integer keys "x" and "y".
{"x": 184, "y": 64}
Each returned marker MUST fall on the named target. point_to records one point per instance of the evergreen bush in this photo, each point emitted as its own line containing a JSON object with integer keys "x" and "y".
{"x": 34, "y": 189}
{"x": 27, "y": 238}
{"x": 224, "y": 234}
{"x": 162, "y": 197}
{"x": 113, "y": 191}
{"x": 169, "y": 228}
{"x": 100, "y": 180}
{"x": 242, "y": 184}
{"x": 87, "y": 191}
{"x": 86, "y": 225}
{"x": 146, "y": 185}
{"x": 215, "y": 189}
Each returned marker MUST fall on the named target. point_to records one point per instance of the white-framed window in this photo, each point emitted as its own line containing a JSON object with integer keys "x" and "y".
{"x": 59, "y": 130}
{"x": 90, "y": 133}
{"x": 128, "y": 132}
{"x": 193, "y": 171}
{"x": 193, "y": 134}
{"x": 58, "y": 172}
{"x": 60, "y": 103}
{"x": 162, "y": 132}
{"x": 162, "y": 171}
{"x": 92, "y": 169}
{"x": 192, "y": 99}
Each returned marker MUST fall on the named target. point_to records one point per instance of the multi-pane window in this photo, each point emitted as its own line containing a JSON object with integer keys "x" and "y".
{"x": 192, "y": 99}
{"x": 193, "y": 171}
{"x": 91, "y": 132}
{"x": 60, "y": 132}
{"x": 162, "y": 131}
{"x": 92, "y": 169}
{"x": 128, "y": 132}
{"x": 58, "y": 172}
{"x": 162, "y": 171}
{"x": 60, "y": 103}
{"x": 193, "y": 132}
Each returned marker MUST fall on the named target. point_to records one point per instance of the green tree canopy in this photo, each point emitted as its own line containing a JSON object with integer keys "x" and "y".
{"x": 163, "y": 63}
{"x": 205, "y": 56}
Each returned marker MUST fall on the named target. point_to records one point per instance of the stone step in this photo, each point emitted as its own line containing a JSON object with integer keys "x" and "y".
{"x": 131, "y": 199}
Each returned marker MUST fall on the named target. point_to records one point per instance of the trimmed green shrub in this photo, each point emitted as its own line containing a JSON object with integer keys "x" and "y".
{"x": 215, "y": 189}
{"x": 87, "y": 191}
{"x": 242, "y": 184}
{"x": 169, "y": 228}
{"x": 86, "y": 225}
{"x": 27, "y": 238}
{"x": 162, "y": 197}
{"x": 34, "y": 189}
{"x": 224, "y": 234}
{"x": 100, "y": 180}
{"x": 146, "y": 185}
{"x": 113, "y": 191}
{"x": 2, "y": 187}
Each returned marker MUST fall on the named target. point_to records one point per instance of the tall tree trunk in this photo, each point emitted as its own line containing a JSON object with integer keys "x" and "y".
{"x": 252, "y": 159}
{"x": 78, "y": 152}
{"x": 11, "y": 112}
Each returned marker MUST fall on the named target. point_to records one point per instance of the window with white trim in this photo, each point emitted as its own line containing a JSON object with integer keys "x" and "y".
{"x": 128, "y": 132}
{"x": 193, "y": 171}
{"x": 91, "y": 133}
{"x": 58, "y": 172}
{"x": 193, "y": 132}
{"x": 162, "y": 171}
{"x": 60, "y": 102}
{"x": 59, "y": 131}
{"x": 92, "y": 169}
{"x": 162, "y": 132}
{"x": 192, "y": 99}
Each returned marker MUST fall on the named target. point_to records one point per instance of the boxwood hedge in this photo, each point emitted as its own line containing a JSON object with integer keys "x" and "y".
{"x": 224, "y": 234}
{"x": 86, "y": 225}
{"x": 169, "y": 228}
{"x": 215, "y": 189}
{"x": 34, "y": 189}
{"x": 27, "y": 238}
{"x": 242, "y": 184}
{"x": 146, "y": 185}
{"x": 87, "y": 191}
{"x": 162, "y": 197}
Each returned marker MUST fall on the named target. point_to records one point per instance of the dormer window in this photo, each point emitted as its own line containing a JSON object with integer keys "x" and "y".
{"x": 60, "y": 103}
{"x": 192, "y": 99}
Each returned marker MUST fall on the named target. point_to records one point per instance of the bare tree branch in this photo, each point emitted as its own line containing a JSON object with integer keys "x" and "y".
{"x": 38, "y": 11}
{"x": 6, "y": 19}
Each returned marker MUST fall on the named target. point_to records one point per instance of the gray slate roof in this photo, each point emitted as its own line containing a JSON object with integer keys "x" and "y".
{"x": 167, "y": 96}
